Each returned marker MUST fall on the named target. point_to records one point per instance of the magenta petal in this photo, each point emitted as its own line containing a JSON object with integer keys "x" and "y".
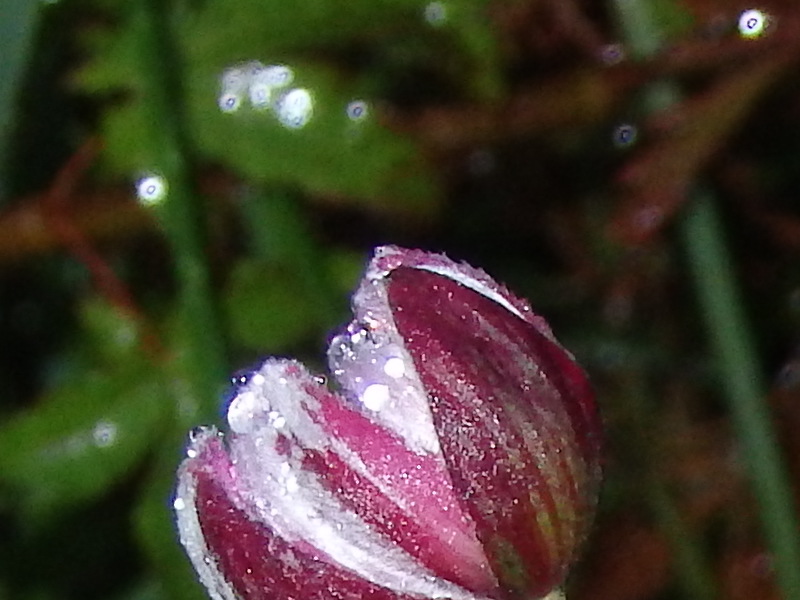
{"x": 242, "y": 558}
{"x": 516, "y": 423}
{"x": 287, "y": 484}
{"x": 407, "y": 497}
{"x": 459, "y": 459}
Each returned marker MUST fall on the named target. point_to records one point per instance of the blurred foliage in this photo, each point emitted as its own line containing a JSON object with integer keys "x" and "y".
{"x": 510, "y": 133}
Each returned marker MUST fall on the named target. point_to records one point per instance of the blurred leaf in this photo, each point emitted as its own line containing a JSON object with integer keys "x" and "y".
{"x": 345, "y": 269}
{"x": 672, "y": 16}
{"x": 268, "y": 306}
{"x": 279, "y": 233}
{"x": 88, "y": 434}
{"x": 112, "y": 336}
{"x": 155, "y": 527}
{"x": 332, "y": 155}
{"x": 147, "y": 589}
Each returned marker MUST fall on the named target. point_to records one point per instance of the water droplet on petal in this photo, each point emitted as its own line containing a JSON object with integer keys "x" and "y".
{"x": 291, "y": 484}
{"x": 242, "y": 411}
{"x": 394, "y": 367}
{"x": 277, "y": 419}
{"x": 178, "y": 504}
{"x": 294, "y": 108}
{"x": 247, "y": 375}
{"x": 375, "y": 396}
{"x": 753, "y": 23}
{"x": 151, "y": 189}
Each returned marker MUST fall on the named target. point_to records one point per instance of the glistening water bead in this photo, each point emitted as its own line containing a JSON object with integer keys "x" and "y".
{"x": 294, "y": 108}
{"x": 151, "y": 189}
{"x": 625, "y": 135}
{"x": 435, "y": 13}
{"x": 233, "y": 85}
{"x": 253, "y": 80}
{"x": 612, "y": 54}
{"x": 753, "y": 23}
{"x": 357, "y": 110}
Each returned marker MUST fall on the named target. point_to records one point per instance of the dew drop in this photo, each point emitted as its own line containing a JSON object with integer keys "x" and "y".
{"x": 375, "y": 396}
{"x": 394, "y": 367}
{"x": 357, "y": 110}
{"x": 196, "y": 433}
{"x": 241, "y": 412}
{"x": 229, "y": 102}
{"x": 235, "y": 79}
{"x": 151, "y": 189}
{"x": 435, "y": 13}
{"x": 277, "y": 419}
{"x": 320, "y": 379}
{"x": 753, "y": 23}
{"x": 294, "y": 108}
{"x": 291, "y": 484}
{"x": 612, "y": 54}
{"x": 178, "y": 504}
{"x": 625, "y": 135}
{"x": 104, "y": 434}
{"x": 252, "y": 68}
{"x": 260, "y": 95}
{"x": 275, "y": 76}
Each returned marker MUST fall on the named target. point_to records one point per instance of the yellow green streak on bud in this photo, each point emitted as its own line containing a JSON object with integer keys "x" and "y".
{"x": 508, "y": 565}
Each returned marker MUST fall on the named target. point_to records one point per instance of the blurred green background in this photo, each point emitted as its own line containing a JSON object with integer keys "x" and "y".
{"x": 631, "y": 167}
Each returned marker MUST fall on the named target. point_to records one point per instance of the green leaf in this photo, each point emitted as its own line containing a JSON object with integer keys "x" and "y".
{"x": 87, "y": 435}
{"x": 269, "y": 307}
{"x": 155, "y": 527}
{"x": 112, "y": 336}
{"x": 331, "y": 155}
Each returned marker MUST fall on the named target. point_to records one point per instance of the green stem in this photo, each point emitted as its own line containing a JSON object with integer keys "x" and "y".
{"x": 729, "y": 332}
{"x": 181, "y": 212}
{"x": 743, "y": 385}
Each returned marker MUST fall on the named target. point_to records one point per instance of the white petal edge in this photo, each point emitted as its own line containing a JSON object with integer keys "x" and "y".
{"x": 276, "y": 491}
{"x": 189, "y": 530}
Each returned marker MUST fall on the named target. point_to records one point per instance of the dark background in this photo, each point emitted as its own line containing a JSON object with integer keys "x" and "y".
{"x": 531, "y": 138}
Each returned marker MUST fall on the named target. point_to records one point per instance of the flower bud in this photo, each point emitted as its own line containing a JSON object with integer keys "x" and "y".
{"x": 458, "y": 457}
